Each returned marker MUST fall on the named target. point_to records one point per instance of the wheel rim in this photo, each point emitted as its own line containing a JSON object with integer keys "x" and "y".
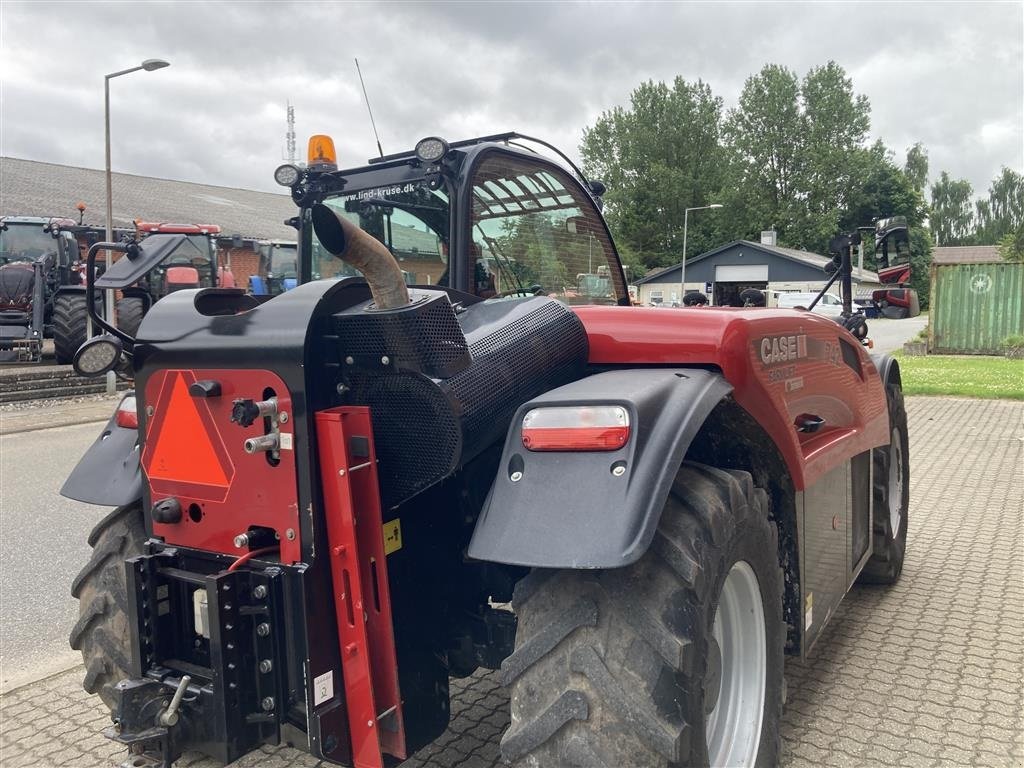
{"x": 895, "y": 482}
{"x": 733, "y": 727}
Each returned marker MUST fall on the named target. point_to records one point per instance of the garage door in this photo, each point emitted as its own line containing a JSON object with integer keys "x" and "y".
{"x": 741, "y": 273}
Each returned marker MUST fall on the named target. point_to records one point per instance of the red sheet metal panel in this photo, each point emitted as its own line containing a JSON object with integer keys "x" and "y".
{"x": 194, "y": 452}
{"x": 780, "y": 362}
{"x": 359, "y": 573}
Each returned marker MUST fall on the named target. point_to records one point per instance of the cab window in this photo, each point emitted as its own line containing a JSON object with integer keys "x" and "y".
{"x": 534, "y": 231}
{"x": 412, "y": 222}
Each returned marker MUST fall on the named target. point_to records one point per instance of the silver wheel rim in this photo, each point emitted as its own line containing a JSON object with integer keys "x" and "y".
{"x": 733, "y": 727}
{"x": 895, "y": 482}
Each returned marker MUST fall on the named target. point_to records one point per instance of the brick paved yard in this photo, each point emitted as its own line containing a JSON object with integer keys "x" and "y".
{"x": 927, "y": 673}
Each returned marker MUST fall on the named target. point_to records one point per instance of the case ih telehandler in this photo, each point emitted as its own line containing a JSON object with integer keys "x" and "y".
{"x": 331, "y": 501}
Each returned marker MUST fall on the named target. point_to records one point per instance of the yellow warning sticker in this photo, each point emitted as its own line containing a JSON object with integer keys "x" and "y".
{"x": 392, "y": 536}
{"x": 808, "y": 611}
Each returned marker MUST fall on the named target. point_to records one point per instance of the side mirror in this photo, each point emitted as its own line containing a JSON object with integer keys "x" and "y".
{"x": 139, "y": 259}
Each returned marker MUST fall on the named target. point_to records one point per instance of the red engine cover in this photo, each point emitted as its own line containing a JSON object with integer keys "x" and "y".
{"x": 194, "y": 453}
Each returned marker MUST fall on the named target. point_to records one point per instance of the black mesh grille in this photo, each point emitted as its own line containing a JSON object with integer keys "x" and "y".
{"x": 425, "y": 428}
{"x": 540, "y": 351}
{"x": 425, "y": 337}
{"x": 417, "y": 438}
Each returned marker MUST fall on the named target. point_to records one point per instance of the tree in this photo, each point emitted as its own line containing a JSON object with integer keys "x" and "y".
{"x": 916, "y": 167}
{"x": 1011, "y": 246}
{"x": 1003, "y": 212}
{"x": 837, "y": 123}
{"x": 765, "y": 138}
{"x": 796, "y": 152}
{"x": 657, "y": 158}
{"x": 952, "y": 214}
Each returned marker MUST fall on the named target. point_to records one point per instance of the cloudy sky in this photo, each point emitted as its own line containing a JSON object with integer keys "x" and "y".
{"x": 950, "y": 75}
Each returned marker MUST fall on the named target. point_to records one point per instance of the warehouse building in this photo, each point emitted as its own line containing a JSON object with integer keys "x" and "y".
{"x": 245, "y": 217}
{"x": 723, "y": 273}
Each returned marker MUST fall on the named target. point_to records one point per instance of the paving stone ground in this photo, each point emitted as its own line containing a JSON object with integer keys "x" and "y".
{"x": 926, "y": 673}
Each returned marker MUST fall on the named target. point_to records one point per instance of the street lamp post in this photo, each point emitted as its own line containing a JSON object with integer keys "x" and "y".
{"x": 148, "y": 65}
{"x": 682, "y": 268}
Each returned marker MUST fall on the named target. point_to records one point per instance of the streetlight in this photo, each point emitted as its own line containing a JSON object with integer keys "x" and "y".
{"x": 682, "y": 268}
{"x": 148, "y": 65}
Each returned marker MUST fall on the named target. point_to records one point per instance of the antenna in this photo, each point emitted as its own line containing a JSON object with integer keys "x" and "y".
{"x": 289, "y": 137}
{"x": 367, "y": 99}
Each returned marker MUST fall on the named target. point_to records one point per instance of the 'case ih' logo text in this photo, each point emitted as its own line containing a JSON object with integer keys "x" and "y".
{"x": 783, "y": 349}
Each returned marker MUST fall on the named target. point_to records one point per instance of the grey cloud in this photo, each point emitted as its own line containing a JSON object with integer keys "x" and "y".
{"x": 936, "y": 73}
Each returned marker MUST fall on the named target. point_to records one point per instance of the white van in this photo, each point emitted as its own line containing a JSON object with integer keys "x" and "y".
{"x": 829, "y": 305}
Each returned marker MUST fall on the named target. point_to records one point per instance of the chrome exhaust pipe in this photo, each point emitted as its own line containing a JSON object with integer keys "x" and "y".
{"x": 364, "y": 252}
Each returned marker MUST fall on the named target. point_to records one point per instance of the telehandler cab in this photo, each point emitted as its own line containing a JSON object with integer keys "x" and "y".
{"x": 331, "y": 501}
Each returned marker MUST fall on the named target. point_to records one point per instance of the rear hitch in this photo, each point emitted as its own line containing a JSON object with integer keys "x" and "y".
{"x": 148, "y": 721}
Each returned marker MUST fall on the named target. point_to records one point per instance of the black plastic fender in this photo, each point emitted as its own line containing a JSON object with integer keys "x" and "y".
{"x": 887, "y": 367}
{"x": 109, "y": 472}
{"x": 570, "y": 509}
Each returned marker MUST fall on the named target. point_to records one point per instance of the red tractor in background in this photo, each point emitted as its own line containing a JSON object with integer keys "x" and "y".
{"x": 193, "y": 265}
{"x": 330, "y": 501}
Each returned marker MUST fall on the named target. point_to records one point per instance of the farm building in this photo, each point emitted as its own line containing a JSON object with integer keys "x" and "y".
{"x": 725, "y": 272}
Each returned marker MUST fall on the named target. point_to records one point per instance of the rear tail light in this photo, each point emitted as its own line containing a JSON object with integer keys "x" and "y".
{"x": 127, "y": 414}
{"x": 576, "y": 428}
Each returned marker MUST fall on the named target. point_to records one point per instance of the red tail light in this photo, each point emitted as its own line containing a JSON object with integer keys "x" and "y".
{"x": 127, "y": 414}
{"x": 576, "y": 428}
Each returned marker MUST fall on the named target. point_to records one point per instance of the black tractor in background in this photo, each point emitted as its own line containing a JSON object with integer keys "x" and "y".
{"x": 42, "y": 288}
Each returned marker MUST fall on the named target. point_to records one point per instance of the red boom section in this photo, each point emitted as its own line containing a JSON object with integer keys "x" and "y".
{"x": 782, "y": 365}
{"x": 194, "y": 452}
{"x": 361, "y": 594}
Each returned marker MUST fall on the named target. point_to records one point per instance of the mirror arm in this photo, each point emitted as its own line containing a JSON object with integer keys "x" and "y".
{"x": 90, "y": 289}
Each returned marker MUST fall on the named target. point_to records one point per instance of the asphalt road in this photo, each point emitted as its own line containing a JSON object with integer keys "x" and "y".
{"x": 42, "y": 546}
{"x": 889, "y": 335}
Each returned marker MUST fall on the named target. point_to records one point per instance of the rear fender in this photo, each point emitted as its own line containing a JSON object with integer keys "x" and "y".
{"x": 109, "y": 472}
{"x": 888, "y": 369}
{"x": 569, "y": 510}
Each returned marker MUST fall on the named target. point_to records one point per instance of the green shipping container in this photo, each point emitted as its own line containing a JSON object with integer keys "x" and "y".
{"x": 975, "y": 306}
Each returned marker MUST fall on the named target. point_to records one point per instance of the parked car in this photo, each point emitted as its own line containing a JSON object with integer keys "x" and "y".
{"x": 829, "y": 305}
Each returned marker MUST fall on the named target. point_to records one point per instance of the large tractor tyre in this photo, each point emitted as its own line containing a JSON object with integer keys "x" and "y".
{"x": 69, "y": 324}
{"x": 130, "y": 310}
{"x": 676, "y": 660}
{"x": 891, "y": 492}
{"x": 102, "y": 633}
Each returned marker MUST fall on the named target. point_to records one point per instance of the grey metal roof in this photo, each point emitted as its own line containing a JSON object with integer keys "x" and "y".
{"x": 966, "y": 254}
{"x": 31, "y": 188}
{"x": 804, "y": 257}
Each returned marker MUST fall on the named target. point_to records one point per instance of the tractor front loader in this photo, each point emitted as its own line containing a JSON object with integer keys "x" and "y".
{"x": 331, "y": 501}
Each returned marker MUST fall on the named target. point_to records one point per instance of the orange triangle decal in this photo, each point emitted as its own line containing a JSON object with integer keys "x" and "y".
{"x": 184, "y": 450}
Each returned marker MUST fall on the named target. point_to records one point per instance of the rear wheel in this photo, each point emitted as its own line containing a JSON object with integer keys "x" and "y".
{"x": 130, "y": 310}
{"x": 69, "y": 322}
{"x": 101, "y": 633}
{"x": 675, "y": 660}
{"x": 891, "y": 494}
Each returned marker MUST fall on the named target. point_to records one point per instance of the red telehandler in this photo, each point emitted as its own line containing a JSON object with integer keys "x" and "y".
{"x": 330, "y": 501}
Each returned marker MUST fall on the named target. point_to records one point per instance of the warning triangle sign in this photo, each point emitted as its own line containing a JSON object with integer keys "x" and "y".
{"x": 184, "y": 449}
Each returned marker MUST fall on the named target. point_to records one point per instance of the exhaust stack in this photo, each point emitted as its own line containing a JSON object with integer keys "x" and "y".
{"x": 364, "y": 252}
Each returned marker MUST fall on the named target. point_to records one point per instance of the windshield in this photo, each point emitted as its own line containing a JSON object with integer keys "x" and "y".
{"x": 535, "y": 232}
{"x": 412, "y": 221}
{"x": 24, "y": 242}
{"x": 281, "y": 260}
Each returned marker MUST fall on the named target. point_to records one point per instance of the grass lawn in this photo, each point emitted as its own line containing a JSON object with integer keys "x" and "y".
{"x": 968, "y": 375}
